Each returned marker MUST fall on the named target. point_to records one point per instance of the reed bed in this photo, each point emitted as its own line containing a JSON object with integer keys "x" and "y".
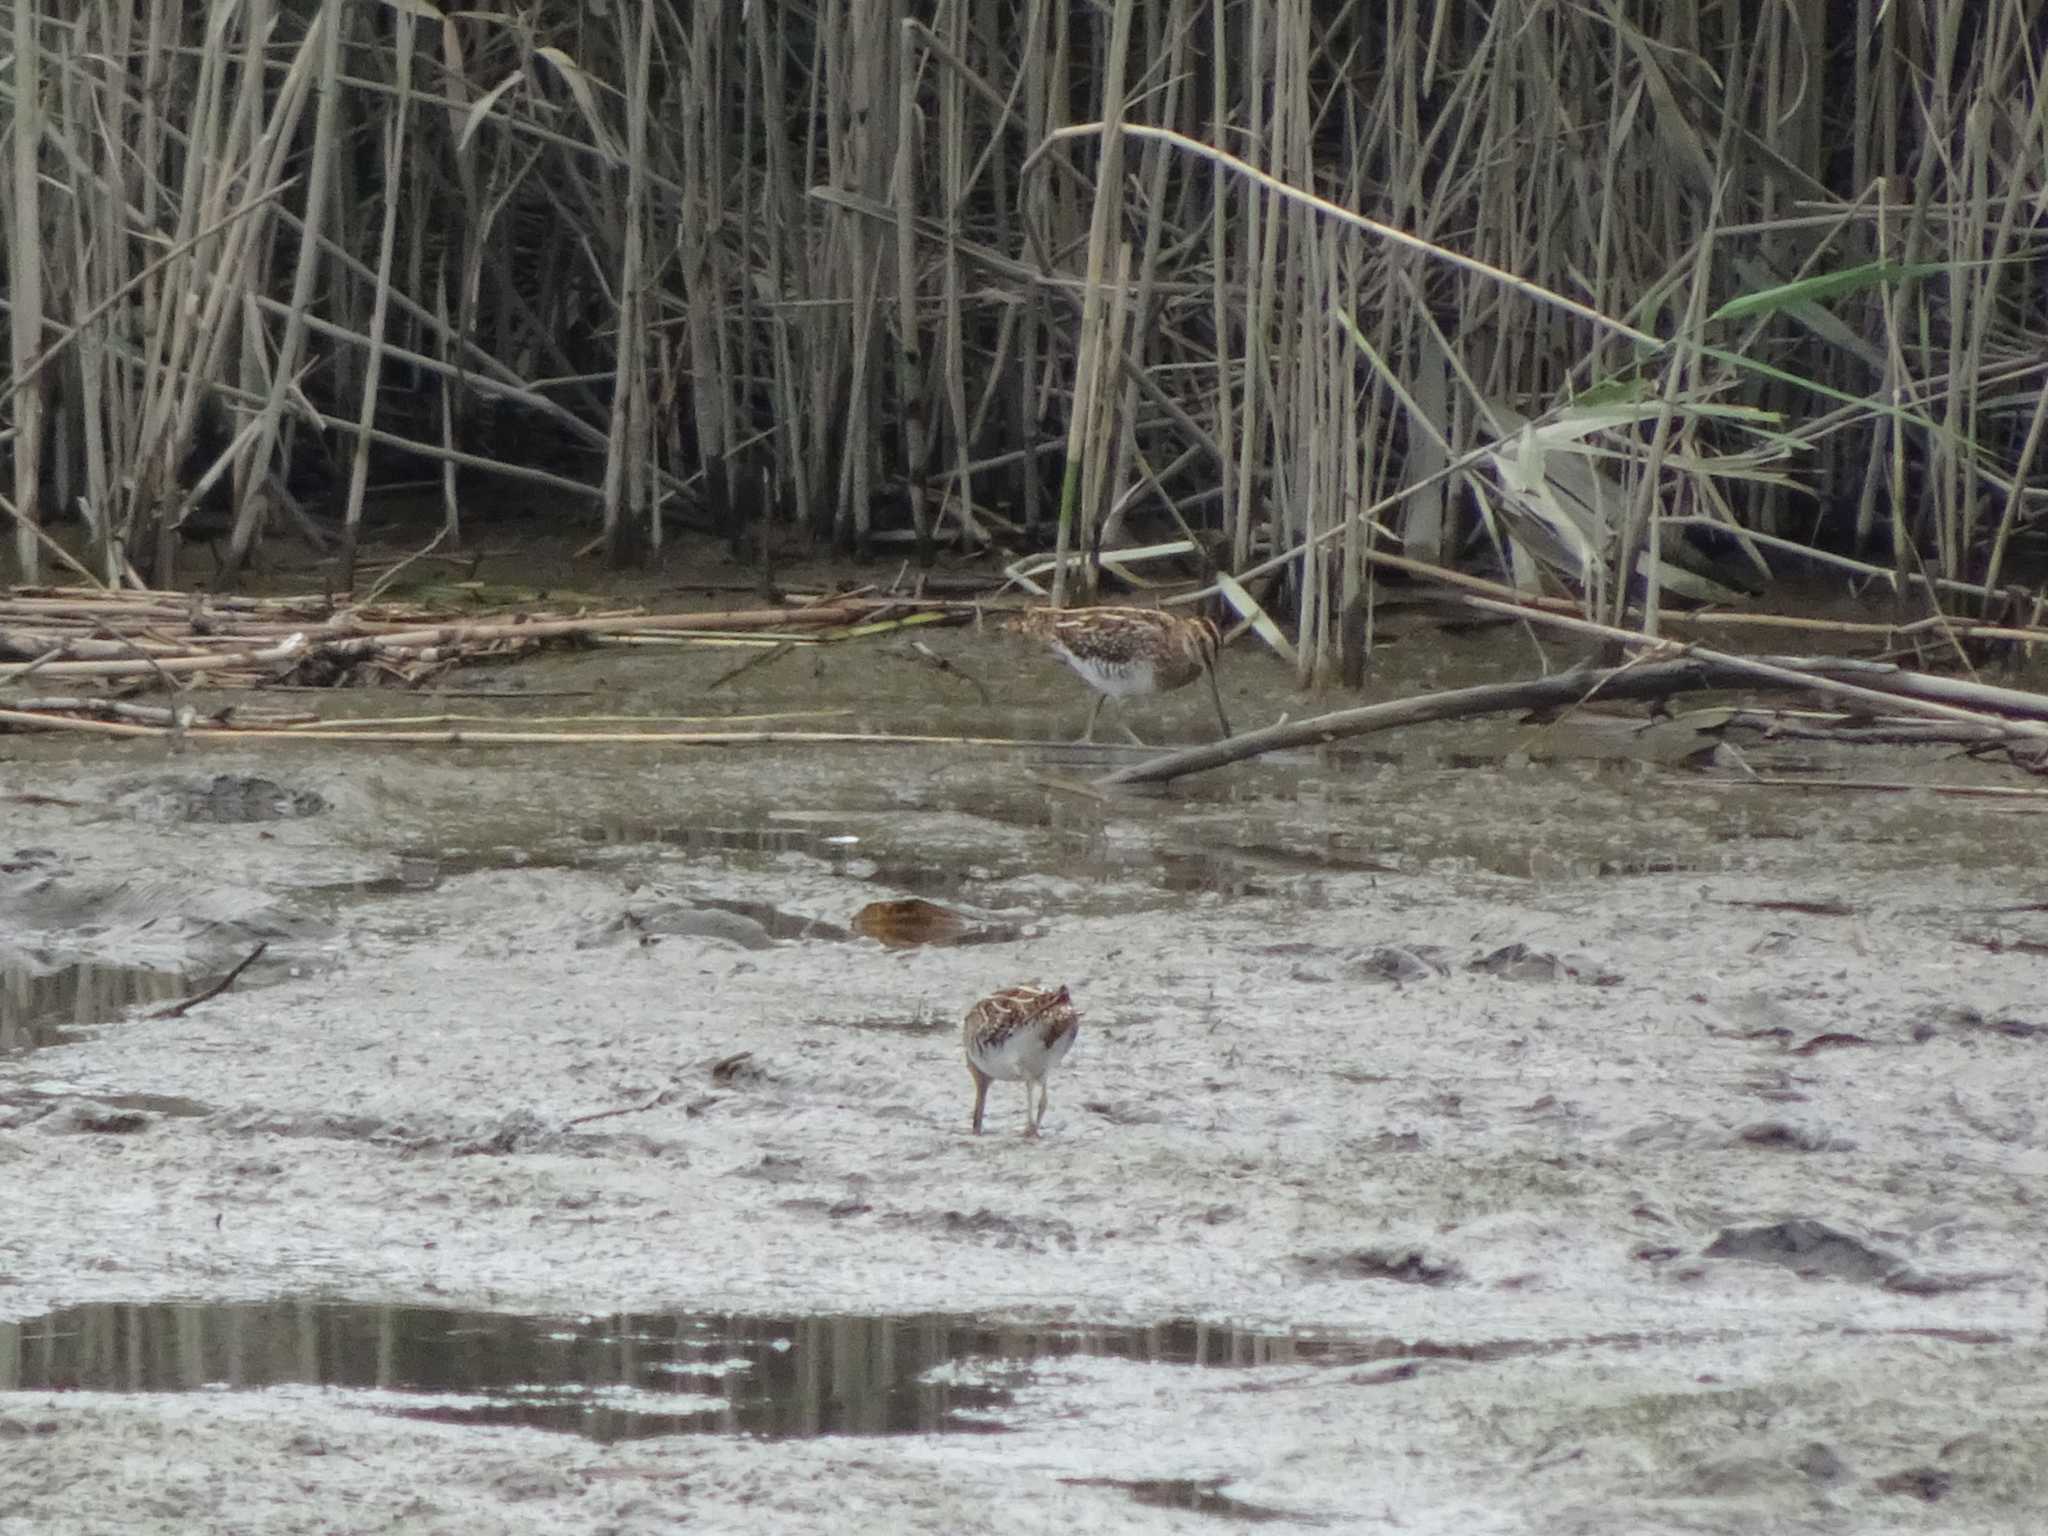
{"x": 1628, "y": 305}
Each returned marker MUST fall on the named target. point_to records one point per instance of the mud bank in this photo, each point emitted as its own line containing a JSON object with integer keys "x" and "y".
{"x": 1622, "y": 1151}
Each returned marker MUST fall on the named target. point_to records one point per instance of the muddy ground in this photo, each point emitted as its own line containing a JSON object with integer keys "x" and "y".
{"x": 1715, "y": 1206}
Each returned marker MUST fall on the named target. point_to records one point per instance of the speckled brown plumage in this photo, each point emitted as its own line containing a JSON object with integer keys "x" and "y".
{"x": 1018, "y": 1034}
{"x": 1123, "y": 652}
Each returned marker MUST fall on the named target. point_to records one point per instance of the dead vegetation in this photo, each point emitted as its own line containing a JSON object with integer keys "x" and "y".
{"x": 1584, "y": 296}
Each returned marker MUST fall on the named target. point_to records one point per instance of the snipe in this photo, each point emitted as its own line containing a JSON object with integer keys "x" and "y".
{"x": 1125, "y": 652}
{"x": 1018, "y": 1034}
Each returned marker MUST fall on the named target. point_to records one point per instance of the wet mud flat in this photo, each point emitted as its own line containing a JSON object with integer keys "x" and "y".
{"x": 1461, "y": 1137}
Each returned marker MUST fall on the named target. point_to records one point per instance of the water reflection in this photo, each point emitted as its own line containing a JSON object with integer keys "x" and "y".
{"x": 612, "y": 1378}
{"x": 38, "y": 1004}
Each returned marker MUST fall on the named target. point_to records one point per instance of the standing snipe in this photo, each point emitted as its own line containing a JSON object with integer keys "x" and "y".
{"x": 1126, "y": 651}
{"x": 1019, "y": 1033}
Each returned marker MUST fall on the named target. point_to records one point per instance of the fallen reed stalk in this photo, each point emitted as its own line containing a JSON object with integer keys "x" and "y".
{"x": 1887, "y": 787}
{"x": 198, "y": 731}
{"x": 1687, "y": 671}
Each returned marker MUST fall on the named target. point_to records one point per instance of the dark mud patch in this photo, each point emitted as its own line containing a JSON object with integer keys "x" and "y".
{"x": 941, "y": 872}
{"x": 412, "y": 870}
{"x": 646, "y": 918}
{"x": 1024, "y": 1234}
{"x": 1201, "y": 1496}
{"x": 1814, "y": 1250}
{"x": 121, "y": 1115}
{"x": 1927, "y": 1484}
{"x": 222, "y": 799}
{"x": 1963, "y": 1018}
{"x": 33, "y": 1106}
{"x": 1400, "y": 964}
{"x": 609, "y": 1379}
{"x": 55, "y": 908}
{"x": 1521, "y": 962}
{"x": 1410, "y": 1266}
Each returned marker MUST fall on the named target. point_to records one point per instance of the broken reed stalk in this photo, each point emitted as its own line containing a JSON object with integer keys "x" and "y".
{"x": 1913, "y": 691}
{"x": 166, "y": 666}
{"x": 197, "y": 730}
{"x": 1642, "y": 680}
{"x": 21, "y": 217}
{"x": 1525, "y": 604}
{"x": 1900, "y": 787}
{"x": 394, "y": 128}
{"x": 1089, "y": 420}
{"x": 319, "y": 55}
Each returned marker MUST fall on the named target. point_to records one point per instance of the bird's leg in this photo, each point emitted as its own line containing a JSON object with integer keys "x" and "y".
{"x": 1030, "y": 1119}
{"x": 980, "y": 1093}
{"x": 1094, "y": 710}
{"x": 1216, "y": 693}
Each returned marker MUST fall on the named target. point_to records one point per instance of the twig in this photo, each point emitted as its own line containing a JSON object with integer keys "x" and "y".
{"x": 177, "y": 1010}
{"x": 171, "y": 684}
{"x": 654, "y": 1101}
{"x": 758, "y": 659}
{"x": 947, "y": 664}
{"x": 338, "y": 731}
{"x": 221, "y": 661}
{"x": 383, "y": 583}
{"x": 159, "y": 716}
{"x": 1888, "y": 787}
{"x": 41, "y": 661}
{"x": 502, "y": 695}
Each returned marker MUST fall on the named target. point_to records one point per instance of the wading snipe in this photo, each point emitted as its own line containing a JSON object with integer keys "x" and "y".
{"x": 1021, "y": 1033}
{"x": 1127, "y": 651}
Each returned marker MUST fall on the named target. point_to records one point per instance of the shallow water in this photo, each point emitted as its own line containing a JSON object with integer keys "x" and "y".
{"x": 43, "y": 1004}
{"x": 606, "y": 1378}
